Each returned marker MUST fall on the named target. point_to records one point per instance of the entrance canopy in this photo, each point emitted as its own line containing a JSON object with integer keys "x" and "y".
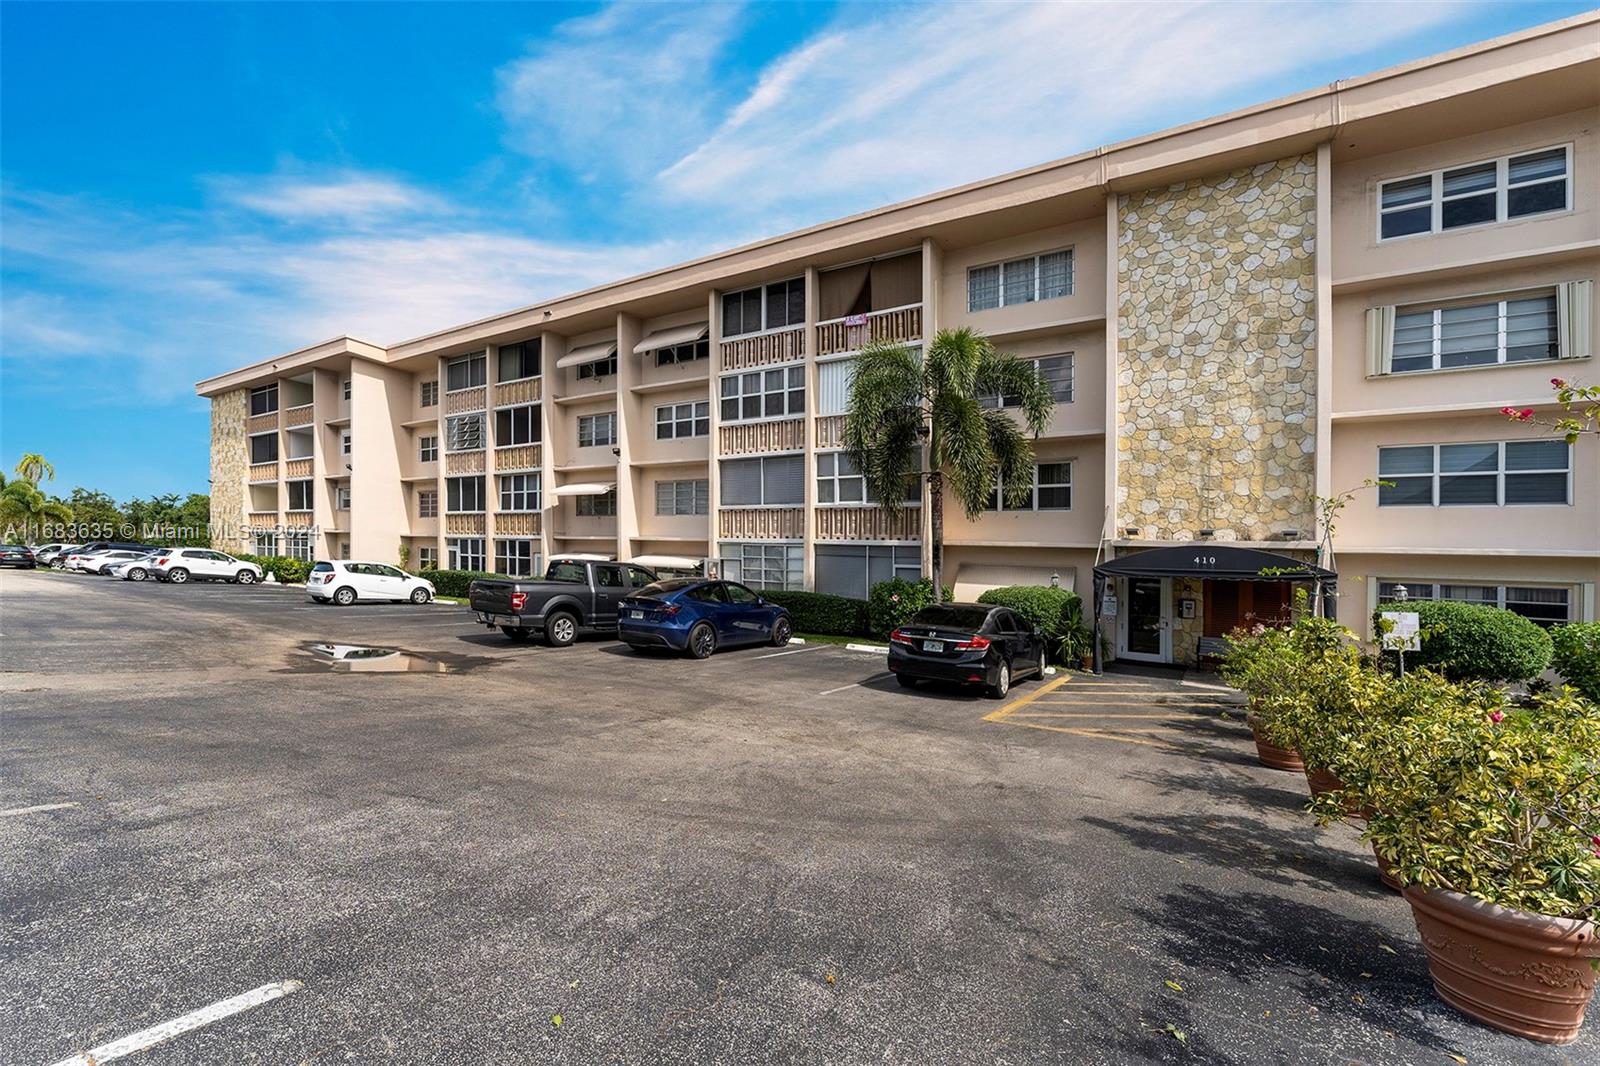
{"x": 1217, "y": 562}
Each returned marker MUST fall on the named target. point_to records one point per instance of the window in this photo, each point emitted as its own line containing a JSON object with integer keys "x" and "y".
{"x": 519, "y": 492}
{"x": 266, "y": 544}
{"x": 1485, "y": 474}
{"x": 518, "y": 361}
{"x": 852, "y": 569}
{"x": 1052, "y": 490}
{"x": 768, "y": 481}
{"x": 833, "y": 386}
{"x": 1513, "y": 330}
{"x": 1494, "y": 190}
{"x": 344, "y": 442}
{"x": 344, "y": 550}
{"x": 763, "y": 565}
{"x": 299, "y": 495}
{"x": 516, "y": 425}
{"x": 779, "y": 393}
{"x": 264, "y": 447}
{"x": 1543, "y": 604}
{"x": 297, "y": 544}
{"x": 344, "y": 390}
{"x": 839, "y": 480}
{"x": 428, "y": 503}
{"x": 465, "y": 372}
{"x": 264, "y": 401}
{"x": 464, "y": 433}
{"x": 1020, "y": 281}
{"x": 428, "y": 449}
{"x": 463, "y": 495}
{"x": 689, "y": 497}
{"x": 601, "y": 506}
{"x": 341, "y": 498}
{"x": 1055, "y": 369}
{"x": 466, "y": 553}
{"x": 683, "y": 353}
{"x": 597, "y": 430}
{"x": 600, "y": 368}
{"x": 776, "y": 306}
{"x": 677, "y": 420}
{"x": 430, "y": 394}
{"x": 427, "y": 557}
{"x": 515, "y": 558}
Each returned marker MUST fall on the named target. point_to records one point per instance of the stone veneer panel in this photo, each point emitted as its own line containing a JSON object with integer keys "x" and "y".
{"x": 1216, "y": 372}
{"x": 229, "y": 469}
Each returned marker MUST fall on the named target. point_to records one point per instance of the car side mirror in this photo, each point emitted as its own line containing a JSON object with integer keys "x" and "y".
{"x": 761, "y": 601}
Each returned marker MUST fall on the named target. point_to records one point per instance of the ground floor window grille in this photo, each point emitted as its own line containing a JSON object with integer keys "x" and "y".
{"x": 1542, "y": 603}
{"x": 266, "y": 544}
{"x": 427, "y": 558}
{"x": 515, "y": 558}
{"x": 852, "y": 569}
{"x": 764, "y": 565}
{"x": 297, "y": 545}
{"x": 466, "y": 553}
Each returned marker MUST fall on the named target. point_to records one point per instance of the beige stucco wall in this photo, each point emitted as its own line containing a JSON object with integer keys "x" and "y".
{"x": 381, "y": 399}
{"x": 1216, "y": 379}
{"x": 229, "y": 469}
{"x": 1087, "y": 239}
{"x": 1079, "y": 526}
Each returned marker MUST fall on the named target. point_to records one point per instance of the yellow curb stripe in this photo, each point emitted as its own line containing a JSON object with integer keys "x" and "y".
{"x": 1125, "y": 714}
{"x": 1002, "y": 713}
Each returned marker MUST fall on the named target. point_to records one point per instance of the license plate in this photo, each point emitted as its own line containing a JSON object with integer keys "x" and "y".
{"x": 933, "y": 645}
{"x": 635, "y": 614}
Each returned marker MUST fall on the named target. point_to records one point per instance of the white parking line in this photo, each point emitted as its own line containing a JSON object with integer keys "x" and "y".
{"x": 856, "y": 684}
{"x": 775, "y": 654}
{"x": 148, "y": 1038}
{"x": 40, "y": 809}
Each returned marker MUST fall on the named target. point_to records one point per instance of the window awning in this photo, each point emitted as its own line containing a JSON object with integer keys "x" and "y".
{"x": 1219, "y": 562}
{"x": 584, "y": 488}
{"x": 670, "y": 338}
{"x": 589, "y": 353}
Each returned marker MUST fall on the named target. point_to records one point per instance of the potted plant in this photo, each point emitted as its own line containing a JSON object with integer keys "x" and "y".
{"x": 1077, "y": 639}
{"x": 1260, "y": 663}
{"x": 1489, "y": 815}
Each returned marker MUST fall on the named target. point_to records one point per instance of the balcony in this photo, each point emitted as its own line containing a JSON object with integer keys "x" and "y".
{"x": 299, "y": 416}
{"x": 517, "y": 523}
{"x": 868, "y": 523}
{"x": 752, "y": 438}
{"x": 464, "y": 400}
{"x": 830, "y": 431}
{"x": 471, "y": 524}
{"x": 896, "y": 325}
{"x": 764, "y": 349}
{"x": 261, "y": 423}
{"x": 761, "y": 523}
{"x": 297, "y": 468}
{"x": 526, "y": 390}
{"x": 464, "y": 462}
{"x": 517, "y": 457}
{"x": 264, "y": 471}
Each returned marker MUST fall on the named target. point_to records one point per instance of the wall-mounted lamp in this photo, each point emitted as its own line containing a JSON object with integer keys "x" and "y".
{"x": 1207, "y": 534}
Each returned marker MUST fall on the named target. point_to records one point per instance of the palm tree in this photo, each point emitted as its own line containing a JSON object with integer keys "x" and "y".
{"x": 911, "y": 416}
{"x": 35, "y": 468}
{"x": 21, "y": 503}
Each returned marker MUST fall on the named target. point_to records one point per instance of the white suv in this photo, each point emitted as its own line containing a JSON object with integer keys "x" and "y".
{"x": 345, "y": 581}
{"x": 178, "y": 565}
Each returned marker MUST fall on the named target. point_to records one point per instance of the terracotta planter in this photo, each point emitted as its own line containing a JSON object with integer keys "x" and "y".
{"x": 1320, "y": 781}
{"x": 1269, "y": 753}
{"x": 1389, "y": 879}
{"x": 1523, "y": 973}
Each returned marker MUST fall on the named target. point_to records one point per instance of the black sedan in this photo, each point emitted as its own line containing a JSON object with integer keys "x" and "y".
{"x": 970, "y": 643}
{"x": 17, "y": 555}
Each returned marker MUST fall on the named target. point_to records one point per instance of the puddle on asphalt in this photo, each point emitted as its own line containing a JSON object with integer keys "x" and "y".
{"x": 369, "y": 659}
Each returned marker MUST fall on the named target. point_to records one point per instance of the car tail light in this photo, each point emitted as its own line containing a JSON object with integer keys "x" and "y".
{"x": 327, "y": 579}
{"x": 518, "y": 599}
{"x": 898, "y": 637}
{"x": 975, "y": 644}
{"x": 671, "y": 609}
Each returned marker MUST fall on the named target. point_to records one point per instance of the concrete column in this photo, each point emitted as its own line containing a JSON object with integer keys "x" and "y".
{"x": 932, "y": 265}
{"x": 713, "y": 467}
{"x": 380, "y": 401}
{"x": 444, "y": 554}
{"x": 552, "y": 346}
{"x": 491, "y": 494}
{"x": 1323, "y": 352}
{"x": 629, "y": 334}
{"x": 808, "y": 566}
{"x": 1111, "y": 522}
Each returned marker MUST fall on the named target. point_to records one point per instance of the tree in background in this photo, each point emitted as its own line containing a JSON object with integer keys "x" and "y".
{"x": 171, "y": 518}
{"x": 35, "y": 468}
{"x": 96, "y": 511}
{"x": 901, "y": 404}
{"x": 24, "y": 509}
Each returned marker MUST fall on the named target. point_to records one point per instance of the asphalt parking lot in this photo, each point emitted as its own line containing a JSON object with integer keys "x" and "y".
{"x": 773, "y": 855}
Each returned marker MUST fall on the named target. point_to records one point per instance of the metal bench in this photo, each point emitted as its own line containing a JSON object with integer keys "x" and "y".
{"x": 1211, "y": 648}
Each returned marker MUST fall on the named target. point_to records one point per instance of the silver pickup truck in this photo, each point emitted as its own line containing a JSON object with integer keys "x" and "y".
{"x": 576, "y": 596}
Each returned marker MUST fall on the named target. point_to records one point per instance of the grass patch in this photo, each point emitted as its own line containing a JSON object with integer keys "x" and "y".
{"x": 829, "y": 638}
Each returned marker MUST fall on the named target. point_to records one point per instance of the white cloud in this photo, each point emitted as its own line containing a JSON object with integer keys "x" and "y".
{"x": 349, "y": 196}
{"x": 910, "y": 100}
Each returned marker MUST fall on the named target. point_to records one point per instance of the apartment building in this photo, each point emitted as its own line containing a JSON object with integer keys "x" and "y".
{"x": 1237, "y": 316}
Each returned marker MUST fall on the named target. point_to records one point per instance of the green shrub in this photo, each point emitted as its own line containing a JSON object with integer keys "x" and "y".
{"x": 1577, "y": 656}
{"x": 1471, "y": 642}
{"x": 456, "y": 582}
{"x": 818, "y": 612}
{"x": 288, "y": 571}
{"x": 1058, "y": 612}
{"x": 890, "y": 604}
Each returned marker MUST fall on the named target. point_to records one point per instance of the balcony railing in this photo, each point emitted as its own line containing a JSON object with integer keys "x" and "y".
{"x": 517, "y": 457}
{"x": 830, "y": 431}
{"x": 527, "y": 390}
{"x": 299, "y": 416}
{"x": 751, "y": 438}
{"x": 897, "y": 325}
{"x": 264, "y": 471}
{"x": 764, "y": 349}
{"x": 516, "y": 523}
{"x": 761, "y": 523}
{"x": 297, "y": 467}
{"x": 464, "y": 462}
{"x": 261, "y": 423}
{"x": 868, "y": 523}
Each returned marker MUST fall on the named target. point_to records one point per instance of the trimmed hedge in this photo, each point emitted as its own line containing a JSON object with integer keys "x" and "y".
{"x": 455, "y": 582}
{"x": 890, "y": 604}
{"x": 818, "y": 612}
{"x": 1472, "y": 642}
{"x": 1577, "y": 656}
{"x": 287, "y": 570}
{"x": 1051, "y": 609}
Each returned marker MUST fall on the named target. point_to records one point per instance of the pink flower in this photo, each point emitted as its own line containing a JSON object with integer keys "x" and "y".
{"x": 1496, "y": 717}
{"x": 1524, "y": 414}
{"x": 894, "y": 597}
{"x": 1509, "y": 412}
{"x": 1558, "y": 383}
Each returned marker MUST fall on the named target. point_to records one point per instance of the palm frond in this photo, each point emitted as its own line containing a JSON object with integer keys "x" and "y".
{"x": 1013, "y": 456}
{"x": 961, "y": 450}
{"x": 1025, "y": 389}
{"x": 883, "y": 420}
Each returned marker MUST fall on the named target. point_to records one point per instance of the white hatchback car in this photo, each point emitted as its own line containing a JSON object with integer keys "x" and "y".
{"x": 178, "y": 565}
{"x": 345, "y": 581}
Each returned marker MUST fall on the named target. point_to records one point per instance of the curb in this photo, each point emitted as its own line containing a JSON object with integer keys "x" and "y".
{"x": 874, "y": 649}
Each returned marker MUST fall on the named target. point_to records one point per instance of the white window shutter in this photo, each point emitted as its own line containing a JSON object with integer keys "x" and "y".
{"x": 1575, "y": 319}
{"x": 1380, "y": 341}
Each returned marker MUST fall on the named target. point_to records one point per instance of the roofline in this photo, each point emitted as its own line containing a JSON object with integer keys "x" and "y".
{"x": 1323, "y": 122}
{"x": 310, "y": 354}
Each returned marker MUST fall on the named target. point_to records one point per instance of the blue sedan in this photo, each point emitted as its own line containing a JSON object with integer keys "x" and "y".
{"x": 699, "y": 616}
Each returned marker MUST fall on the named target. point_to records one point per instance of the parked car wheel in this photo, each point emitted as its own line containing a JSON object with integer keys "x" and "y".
{"x": 702, "y": 641}
{"x": 344, "y": 595}
{"x": 1040, "y": 665}
{"x": 560, "y": 629}
{"x": 518, "y": 636}
{"x": 137, "y": 573}
{"x": 1002, "y": 681}
{"x": 177, "y": 575}
{"x": 420, "y": 596}
{"x": 906, "y": 680}
{"x": 246, "y": 577}
{"x": 782, "y": 630}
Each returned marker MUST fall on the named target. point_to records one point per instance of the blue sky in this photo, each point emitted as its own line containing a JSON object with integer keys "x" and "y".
{"x": 190, "y": 188}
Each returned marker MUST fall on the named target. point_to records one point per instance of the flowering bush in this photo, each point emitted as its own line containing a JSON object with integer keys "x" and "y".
{"x": 890, "y": 604}
{"x": 1474, "y": 642}
{"x": 1580, "y": 407}
{"x": 1292, "y": 675}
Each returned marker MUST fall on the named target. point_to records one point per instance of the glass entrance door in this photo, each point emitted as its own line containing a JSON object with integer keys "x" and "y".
{"x": 1145, "y": 628}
